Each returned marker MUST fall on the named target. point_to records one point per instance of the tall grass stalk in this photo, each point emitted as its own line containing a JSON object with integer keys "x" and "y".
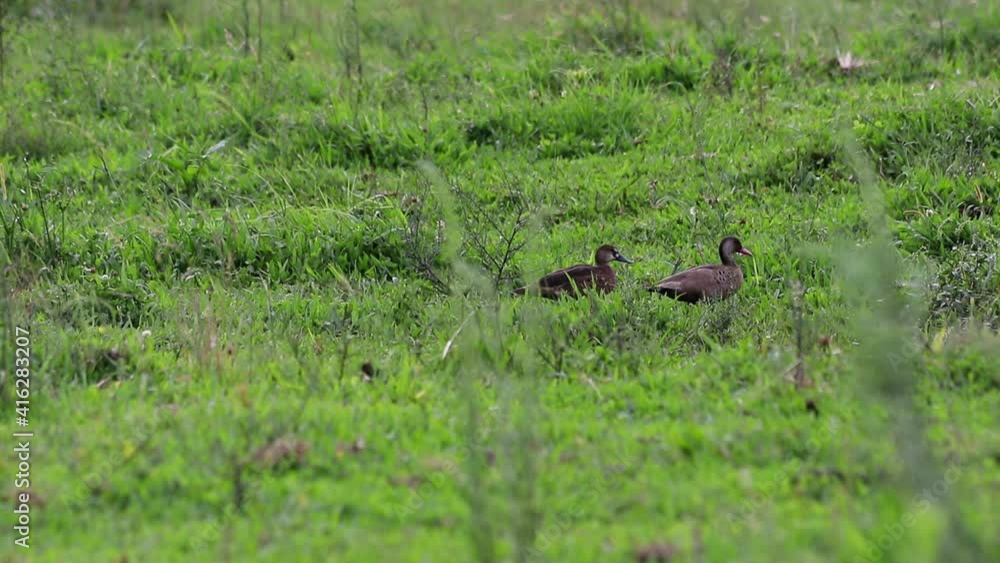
{"x": 888, "y": 299}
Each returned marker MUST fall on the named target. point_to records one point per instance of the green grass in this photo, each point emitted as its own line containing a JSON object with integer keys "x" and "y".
{"x": 266, "y": 273}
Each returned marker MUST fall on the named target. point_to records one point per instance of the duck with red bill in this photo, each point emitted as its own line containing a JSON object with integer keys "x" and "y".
{"x": 710, "y": 282}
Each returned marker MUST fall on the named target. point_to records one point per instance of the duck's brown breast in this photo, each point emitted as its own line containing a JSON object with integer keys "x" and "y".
{"x": 605, "y": 279}
{"x": 726, "y": 281}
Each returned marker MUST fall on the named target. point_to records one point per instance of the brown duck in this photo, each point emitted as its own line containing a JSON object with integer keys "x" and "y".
{"x": 577, "y": 280}
{"x": 708, "y": 282}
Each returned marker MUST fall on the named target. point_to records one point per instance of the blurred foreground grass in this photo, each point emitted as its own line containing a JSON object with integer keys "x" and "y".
{"x": 264, "y": 250}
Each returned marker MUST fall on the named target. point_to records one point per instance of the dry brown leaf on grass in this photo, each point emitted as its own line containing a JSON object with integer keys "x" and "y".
{"x": 797, "y": 375}
{"x": 657, "y": 552}
{"x": 171, "y": 408}
{"x": 848, "y": 62}
{"x": 409, "y": 481}
{"x": 586, "y": 379}
{"x": 36, "y": 499}
{"x": 355, "y": 447}
{"x": 284, "y": 449}
{"x": 567, "y": 457}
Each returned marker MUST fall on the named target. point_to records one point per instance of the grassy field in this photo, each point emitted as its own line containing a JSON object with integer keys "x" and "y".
{"x": 264, "y": 254}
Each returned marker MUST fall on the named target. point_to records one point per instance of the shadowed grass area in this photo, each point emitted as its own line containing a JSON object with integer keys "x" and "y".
{"x": 265, "y": 252}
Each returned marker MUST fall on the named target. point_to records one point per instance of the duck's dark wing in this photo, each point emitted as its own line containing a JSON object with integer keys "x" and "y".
{"x": 701, "y": 282}
{"x": 568, "y": 281}
{"x": 679, "y": 287}
{"x": 581, "y": 273}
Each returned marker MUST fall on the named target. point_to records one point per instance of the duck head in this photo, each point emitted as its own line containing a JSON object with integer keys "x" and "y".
{"x": 729, "y": 247}
{"x": 608, "y": 254}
